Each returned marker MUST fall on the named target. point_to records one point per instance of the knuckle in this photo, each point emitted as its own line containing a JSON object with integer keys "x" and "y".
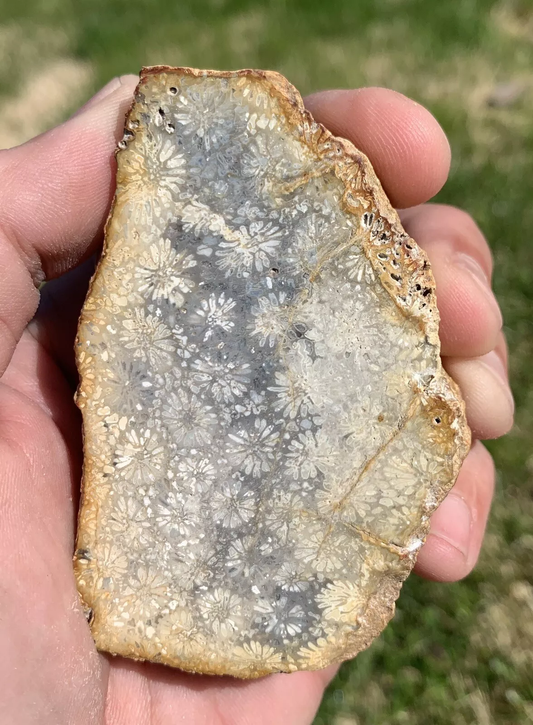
{"x": 461, "y": 225}
{"x": 457, "y": 215}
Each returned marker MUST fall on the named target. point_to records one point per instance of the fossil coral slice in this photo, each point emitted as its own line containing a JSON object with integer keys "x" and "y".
{"x": 267, "y": 423}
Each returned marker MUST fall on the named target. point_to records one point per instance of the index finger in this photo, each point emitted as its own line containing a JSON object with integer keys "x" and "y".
{"x": 406, "y": 145}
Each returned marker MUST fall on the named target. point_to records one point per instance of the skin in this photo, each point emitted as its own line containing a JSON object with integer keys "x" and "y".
{"x": 55, "y": 195}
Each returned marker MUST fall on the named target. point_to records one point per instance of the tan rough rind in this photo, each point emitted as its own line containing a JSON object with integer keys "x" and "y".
{"x": 405, "y": 275}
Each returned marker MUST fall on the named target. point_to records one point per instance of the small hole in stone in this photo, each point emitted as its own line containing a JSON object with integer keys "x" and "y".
{"x": 437, "y": 420}
{"x": 274, "y": 270}
{"x": 161, "y": 113}
{"x": 170, "y": 128}
{"x": 173, "y": 90}
{"x": 83, "y": 554}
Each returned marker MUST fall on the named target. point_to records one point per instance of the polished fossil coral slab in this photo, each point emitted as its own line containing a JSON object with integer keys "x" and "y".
{"x": 267, "y": 423}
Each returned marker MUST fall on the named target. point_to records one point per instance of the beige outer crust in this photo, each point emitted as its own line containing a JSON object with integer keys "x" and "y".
{"x": 413, "y": 292}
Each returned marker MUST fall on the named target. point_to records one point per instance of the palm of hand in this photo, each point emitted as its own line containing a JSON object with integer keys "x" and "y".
{"x": 50, "y": 669}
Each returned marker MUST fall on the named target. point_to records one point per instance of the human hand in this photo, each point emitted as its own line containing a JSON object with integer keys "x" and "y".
{"x": 55, "y": 194}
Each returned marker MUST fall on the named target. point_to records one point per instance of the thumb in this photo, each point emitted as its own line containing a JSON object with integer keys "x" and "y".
{"x": 55, "y": 193}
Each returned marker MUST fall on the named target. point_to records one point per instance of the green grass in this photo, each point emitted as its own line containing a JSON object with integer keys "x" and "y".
{"x": 454, "y": 654}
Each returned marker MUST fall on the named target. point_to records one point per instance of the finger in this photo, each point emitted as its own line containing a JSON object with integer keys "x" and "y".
{"x": 56, "y": 191}
{"x": 503, "y": 352}
{"x": 462, "y": 265}
{"x": 408, "y": 149}
{"x": 107, "y": 90}
{"x": 458, "y": 525}
{"x": 35, "y": 375}
{"x": 55, "y": 324}
{"x": 65, "y": 177}
{"x": 485, "y": 388}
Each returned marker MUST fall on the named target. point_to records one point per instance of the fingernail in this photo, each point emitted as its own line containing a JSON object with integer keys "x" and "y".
{"x": 452, "y": 522}
{"x": 483, "y": 283}
{"x": 495, "y": 364}
{"x": 104, "y": 92}
{"x": 489, "y": 401}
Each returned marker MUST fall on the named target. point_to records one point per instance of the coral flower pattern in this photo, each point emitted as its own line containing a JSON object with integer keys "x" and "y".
{"x": 154, "y": 173}
{"x": 162, "y": 273}
{"x": 267, "y": 425}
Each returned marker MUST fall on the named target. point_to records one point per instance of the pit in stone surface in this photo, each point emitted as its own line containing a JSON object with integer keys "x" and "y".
{"x": 267, "y": 425}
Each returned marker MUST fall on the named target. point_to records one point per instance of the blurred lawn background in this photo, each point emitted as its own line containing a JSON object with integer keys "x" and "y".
{"x": 454, "y": 654}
